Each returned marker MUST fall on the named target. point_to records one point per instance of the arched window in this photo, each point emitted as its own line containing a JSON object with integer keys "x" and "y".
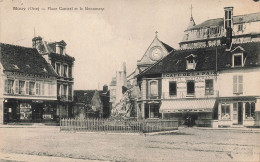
{"x": 154, "y": 88}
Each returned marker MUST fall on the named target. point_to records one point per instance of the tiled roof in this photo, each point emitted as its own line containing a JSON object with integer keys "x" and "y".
{"x": 168, "y": 48}
{"x": 236, "y": 20}
{"x": 84, "y": 96}
{"x": 206, "y": 59}
{"x": 24, "y": 60}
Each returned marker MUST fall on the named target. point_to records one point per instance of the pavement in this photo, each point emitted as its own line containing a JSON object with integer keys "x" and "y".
{"x": 34, "y": 158}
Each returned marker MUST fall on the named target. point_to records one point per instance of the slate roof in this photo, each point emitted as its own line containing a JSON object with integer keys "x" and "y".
{"x": 168, "y": 48}
{"x": 24, "y": 60}
{"x": 206, "y": 59}
{"x": 84, "y": 96}
{"x": 236, "y": 20}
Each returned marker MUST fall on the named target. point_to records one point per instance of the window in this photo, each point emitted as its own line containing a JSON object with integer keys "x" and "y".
{"x": 153, "y": 88}
{"x": 237, "y": 84}
{"x": 225, "y": 111}
{"x": 65, "y": 90}
{"x": 58, "y": 89}
{"x": 237, "y": 60}
{"x": 250, "y": 110}
{"x": 65, "y": 71}
{"x": 172, "y": 88}
{"x": 191, "y": 62}
{"x": 31, "y": 88}
{"x": 9, "y": 86}
{"x": 38, "y": 88}
{"x": 240, "y": 27}
{"x": 58, "y": 68}
{"x": 61, "y": 50}
{"x": 209, "y": 89}
{"x": 21, "y": 87}
{"x": 190, "y": 87}
{"x": 70, "y": 71}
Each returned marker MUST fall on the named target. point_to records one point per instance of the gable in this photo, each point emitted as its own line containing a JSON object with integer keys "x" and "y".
{"x": 156, "y": 51}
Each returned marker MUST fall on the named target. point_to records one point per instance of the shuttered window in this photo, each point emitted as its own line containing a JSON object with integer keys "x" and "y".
{"x": 238, "y": 84}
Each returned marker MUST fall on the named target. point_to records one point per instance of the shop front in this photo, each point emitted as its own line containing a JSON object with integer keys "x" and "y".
{"x": 200, "y": 112}
{"x": 237, "y": 111}
{"x": 29, "y": 111}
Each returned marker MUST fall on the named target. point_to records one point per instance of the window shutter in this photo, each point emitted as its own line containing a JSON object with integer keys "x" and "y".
{"x": 43, "y": 88}
{"x": 240, "y": 84}
{"x": 27, "y": 87}
{"x": 16, "y": 86}
{"x": 6, "y": 86}
{"x": 234, "y": 84}
{"x": 62, "y": 69}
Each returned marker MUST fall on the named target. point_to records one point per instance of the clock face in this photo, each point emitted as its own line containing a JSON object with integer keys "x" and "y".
{"x": 156, "y": 53}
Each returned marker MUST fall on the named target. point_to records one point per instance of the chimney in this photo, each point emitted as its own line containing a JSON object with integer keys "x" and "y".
{"x": 228, "y": 24}
{"x": 105, "y": 88}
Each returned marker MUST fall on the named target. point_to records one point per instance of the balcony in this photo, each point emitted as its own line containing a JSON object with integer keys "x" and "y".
{"x": 197, "y": 94}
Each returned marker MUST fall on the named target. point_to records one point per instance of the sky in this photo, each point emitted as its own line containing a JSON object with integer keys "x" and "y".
{"x": 100, "y": 40}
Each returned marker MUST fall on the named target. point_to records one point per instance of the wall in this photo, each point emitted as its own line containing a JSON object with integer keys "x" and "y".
{"x": 181, "y": 81}
{"x": 251, "y": 80}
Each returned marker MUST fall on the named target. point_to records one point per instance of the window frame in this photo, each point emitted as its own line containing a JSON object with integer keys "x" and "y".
{"x": 242, "y": 60}
{"x": 190, "y": 81}
{"x": 58, "y": 71}
{"x": 174, "y": 93}
{"x": 225, "y": 115}
{"x": 209, "y": 90}
{"x": 150, "y": 88}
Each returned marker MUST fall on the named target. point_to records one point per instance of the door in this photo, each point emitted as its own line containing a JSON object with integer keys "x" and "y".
{"x": 240, "y": 113}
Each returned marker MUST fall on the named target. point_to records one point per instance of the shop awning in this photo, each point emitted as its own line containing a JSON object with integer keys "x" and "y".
{"x": 196, "y": 105}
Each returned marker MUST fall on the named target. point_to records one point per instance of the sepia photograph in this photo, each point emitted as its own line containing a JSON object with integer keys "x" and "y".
{"x": 129, "y": 80}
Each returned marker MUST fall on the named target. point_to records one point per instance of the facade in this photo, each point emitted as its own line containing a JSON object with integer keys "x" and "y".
{"x": 208, "y": 84}
{"x": 28, "y": 83}
{"x": 56, "y": 55}
{"x": 245, "y": 28}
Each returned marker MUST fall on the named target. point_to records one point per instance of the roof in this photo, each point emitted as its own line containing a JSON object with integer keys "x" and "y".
{"x": 84, "y": 96}
{"x": 206, "y": 59}
{"x": 24, "y": 60}
{"x": 236, "y": 20}
{"x": 168, "y": 48}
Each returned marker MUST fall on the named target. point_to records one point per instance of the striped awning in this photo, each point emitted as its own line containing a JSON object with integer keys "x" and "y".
{"x": 196, "y": 105}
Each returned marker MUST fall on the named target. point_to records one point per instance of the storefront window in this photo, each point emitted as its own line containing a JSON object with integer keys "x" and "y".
{"x": 225, "y": 111}
{"x": 250, "y": 110}
{"x": 48, "y": 112}
{"x": 25, "y": 111}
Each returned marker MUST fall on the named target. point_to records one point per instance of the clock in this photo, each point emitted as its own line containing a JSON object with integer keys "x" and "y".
{"x": 156, "y": 53}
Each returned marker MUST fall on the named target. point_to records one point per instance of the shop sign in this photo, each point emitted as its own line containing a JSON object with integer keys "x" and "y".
{"x": 189, "y": 74}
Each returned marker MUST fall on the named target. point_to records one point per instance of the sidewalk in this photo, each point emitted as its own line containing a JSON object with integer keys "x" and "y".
{"x": 243, "y": 129}
{"x": 33, "y": 158}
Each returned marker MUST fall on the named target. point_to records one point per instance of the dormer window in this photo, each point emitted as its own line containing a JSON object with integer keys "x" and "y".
{"x": 191, "y": 62}
{"x": 237, "y": 60}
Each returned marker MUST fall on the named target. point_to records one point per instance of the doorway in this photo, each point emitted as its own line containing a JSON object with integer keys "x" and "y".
{"x": 240, "y": 113}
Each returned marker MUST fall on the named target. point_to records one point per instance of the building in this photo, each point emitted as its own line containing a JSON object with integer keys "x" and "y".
{"x": 116, "y": 91}
{"x": 56, "y": 55}
{"x": 28, "y": 83}
{"x": 214, "y": 84}
{"x": 194, "y": 83}
{"x": 245, "y": 28}
{"x": 88, "y": 104}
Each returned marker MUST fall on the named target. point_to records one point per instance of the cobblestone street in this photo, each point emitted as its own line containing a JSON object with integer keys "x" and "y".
{"x": 187, "y": 144}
